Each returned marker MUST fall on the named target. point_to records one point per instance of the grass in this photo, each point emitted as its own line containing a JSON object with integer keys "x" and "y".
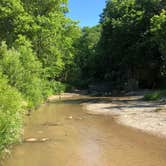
{"x": 155, "y": 95}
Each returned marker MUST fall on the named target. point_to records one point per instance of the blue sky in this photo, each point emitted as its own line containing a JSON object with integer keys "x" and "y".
{"x": 86, "y": 11}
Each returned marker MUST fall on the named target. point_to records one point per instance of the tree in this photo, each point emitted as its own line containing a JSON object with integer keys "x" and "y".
{"x": 158, "y": 30}
{"x": 85, "y": 54}
{"x": 52, "y": 34}
{"x": 126, "y": 49}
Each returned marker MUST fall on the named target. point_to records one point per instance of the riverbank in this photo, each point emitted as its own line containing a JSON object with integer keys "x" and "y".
{"x": 62, "y": 96}
{"x": 132, "y": 111}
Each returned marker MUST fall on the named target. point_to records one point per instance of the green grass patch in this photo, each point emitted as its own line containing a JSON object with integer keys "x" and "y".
{"x": 155, "y": 95}
{"x": 152, "y": 96}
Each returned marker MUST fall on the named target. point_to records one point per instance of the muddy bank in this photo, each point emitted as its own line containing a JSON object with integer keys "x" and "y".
{"x": 132, "y": 111}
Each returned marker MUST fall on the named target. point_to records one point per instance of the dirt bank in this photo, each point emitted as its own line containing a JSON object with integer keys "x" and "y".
{"x": 131, "y": 111}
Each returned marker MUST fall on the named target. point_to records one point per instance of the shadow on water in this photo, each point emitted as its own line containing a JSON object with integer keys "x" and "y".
{"x": 133, "y": 102}
{"x": 92, "y": 100}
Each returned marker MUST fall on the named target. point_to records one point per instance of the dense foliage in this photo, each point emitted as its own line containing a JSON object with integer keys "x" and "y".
{"x": 128, "y": 45}
{"x": 11, "y": 110}
{"x": 85, "y": 55}
{"x": 36, "y": 50}
{"x": 131, "y": 49}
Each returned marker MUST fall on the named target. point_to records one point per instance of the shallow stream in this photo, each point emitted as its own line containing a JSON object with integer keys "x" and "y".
{"x": 63, "y": 134}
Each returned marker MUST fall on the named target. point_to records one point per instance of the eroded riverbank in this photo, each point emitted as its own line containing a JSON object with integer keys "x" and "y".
{"x": 77, "y": 138}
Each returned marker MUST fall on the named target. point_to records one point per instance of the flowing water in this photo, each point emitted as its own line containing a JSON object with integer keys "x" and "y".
{"x": 62, "y": 134}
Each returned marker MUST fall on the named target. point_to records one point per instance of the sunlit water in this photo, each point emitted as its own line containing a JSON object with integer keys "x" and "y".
{"x": 74, "y": 138}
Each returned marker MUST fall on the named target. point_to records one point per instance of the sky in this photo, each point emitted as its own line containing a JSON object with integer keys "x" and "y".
{"x": 86, "y": 11}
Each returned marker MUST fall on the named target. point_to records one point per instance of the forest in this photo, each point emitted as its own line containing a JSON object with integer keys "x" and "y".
{"x": 44, "y": 52}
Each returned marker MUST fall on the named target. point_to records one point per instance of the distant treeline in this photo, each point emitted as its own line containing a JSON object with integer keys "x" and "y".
{"x": 127, "y": 48}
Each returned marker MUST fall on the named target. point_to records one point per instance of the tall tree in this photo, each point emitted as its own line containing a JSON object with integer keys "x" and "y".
{"x": 85, "y": 54}
{"x": 126, "y": 49}
{"x": 53, "y": 34}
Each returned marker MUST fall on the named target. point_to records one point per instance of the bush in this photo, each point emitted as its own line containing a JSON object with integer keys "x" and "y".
{"x": 68, "y": 87}
{"x": 153, "y": 96}
{"x": 32, "y": 92}
{"x": 11, "y": 111}
{"x": 23, "y": 71}
{"x": 57, "y": 87}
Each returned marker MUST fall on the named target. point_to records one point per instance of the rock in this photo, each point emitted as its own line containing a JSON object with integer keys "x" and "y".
{"x": 31, "y": 139}
{"x": 79, "y": 118}
{"x": 160, "y": 124}
{"x": 51, "y": 124}
{"x": 70, "y": 117}
{"x": 44, "y": 139}
{"x": 36, "y": 140}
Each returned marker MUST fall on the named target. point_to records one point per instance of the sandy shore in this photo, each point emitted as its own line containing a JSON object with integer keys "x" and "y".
{"x": 62, "y": 96}
{"x": 131, "y": 111}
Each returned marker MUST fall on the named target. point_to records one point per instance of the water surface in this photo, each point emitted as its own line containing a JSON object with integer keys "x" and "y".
{"x": 74, "y": 138}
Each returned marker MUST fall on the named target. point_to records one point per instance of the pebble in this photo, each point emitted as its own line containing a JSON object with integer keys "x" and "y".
{"x": 70, "y": 117}
{"x": 160, "y": 124}
{"x": 36, "y": 140}
{"x": 31, "y": 140}
{"x": 79, "y": 118}
{"x": 44, "y": 139}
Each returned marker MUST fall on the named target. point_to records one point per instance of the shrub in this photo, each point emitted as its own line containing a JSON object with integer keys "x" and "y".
{"x": 23, "y": 71}
{"x": 153, "y": 96}
{"x": 11, "y": 111}
{"x": 57, "y": 87}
